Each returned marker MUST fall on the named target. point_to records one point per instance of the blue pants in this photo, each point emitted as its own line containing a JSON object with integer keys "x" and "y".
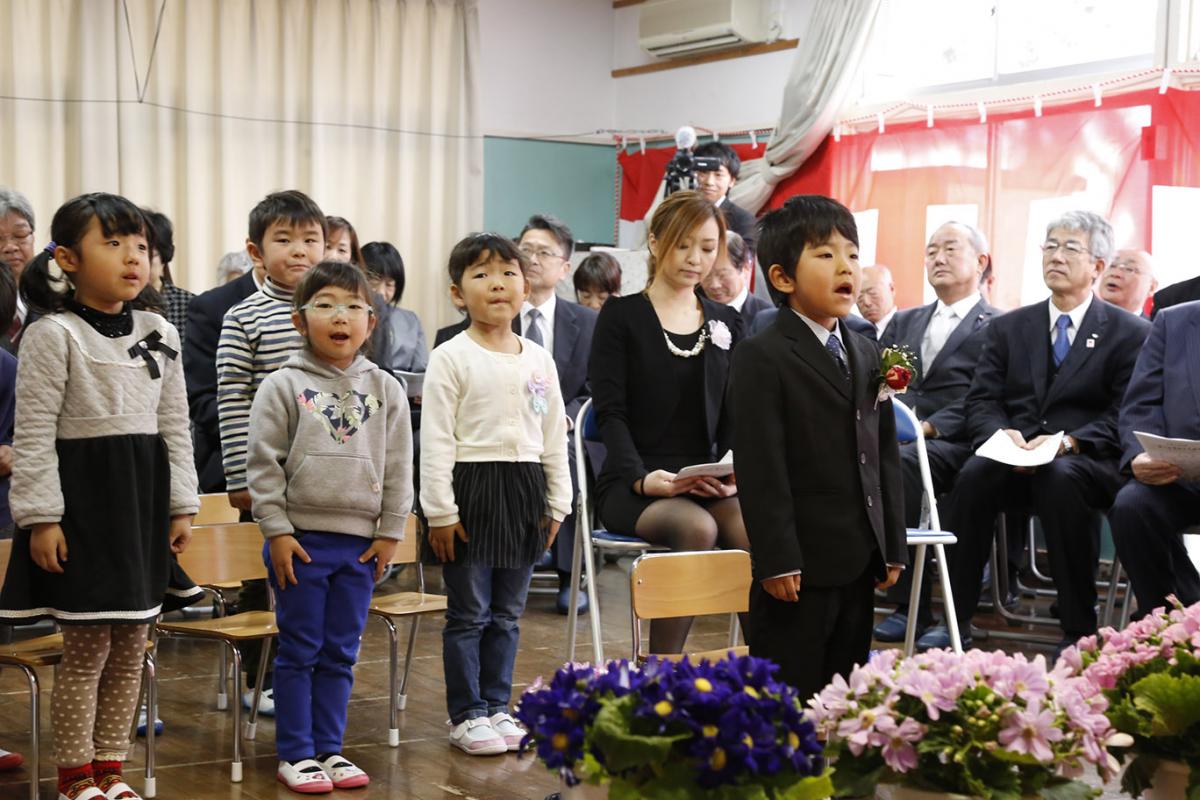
{"x": 321, "y": 621}
{"x": 479, "y": 642}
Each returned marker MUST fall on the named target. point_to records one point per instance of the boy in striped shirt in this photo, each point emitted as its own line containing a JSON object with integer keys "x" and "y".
{"x": 287, "y": 232}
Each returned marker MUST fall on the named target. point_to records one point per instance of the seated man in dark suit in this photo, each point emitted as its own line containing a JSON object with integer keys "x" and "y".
{"x": 946, "y": 337}
{"x": 877, "y": 300}
{"x": 728, "y": 281}
{"x": 1057, "y": 365}
{"x": 205, "y": 314}
{"x": 565, "y": 329}
{"x": 1163, "y": 399}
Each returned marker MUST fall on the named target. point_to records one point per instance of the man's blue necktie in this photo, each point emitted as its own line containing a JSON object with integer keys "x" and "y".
{"x": 1062, "y": 343}
{"x": 834, "y": 345}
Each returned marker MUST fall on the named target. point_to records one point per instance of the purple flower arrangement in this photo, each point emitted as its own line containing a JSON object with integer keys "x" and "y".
{"x": 1150, "y": 674}
{"x": 728, "y": 728}
{"x": 983, "y": 724}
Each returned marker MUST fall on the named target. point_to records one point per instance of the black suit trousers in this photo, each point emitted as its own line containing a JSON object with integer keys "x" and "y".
{"x": 1146, "y": 523}
{"x": 1065, "y": 495}
{"x": 945, "y": 460}
{"x": 825, "y": 633}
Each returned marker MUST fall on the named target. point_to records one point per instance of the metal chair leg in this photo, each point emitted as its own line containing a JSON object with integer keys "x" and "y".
{"x": 235, "y": 769}
{"x": 223, "y": 661}
{"x": 947, "y": 599}
{"x": 914, "y": 598}
{"x": 402, "y": 699}
{"x": 1110, "y": 597}
{"x": 35, "y": 730}
{"x": 576, "y": 571}
{"x": 594, "y": 610}
{"x": 252, "y": 723}
{"x": 393, "y": 657}
{"x": 151, "y": 681}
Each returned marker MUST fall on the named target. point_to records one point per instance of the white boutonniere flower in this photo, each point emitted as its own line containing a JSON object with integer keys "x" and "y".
{"x": 719, "y": 333}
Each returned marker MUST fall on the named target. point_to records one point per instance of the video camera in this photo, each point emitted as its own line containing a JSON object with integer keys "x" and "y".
{"x": 682, "y": 169}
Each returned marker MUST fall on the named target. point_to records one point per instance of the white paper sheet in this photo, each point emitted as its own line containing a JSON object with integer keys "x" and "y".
{"x": 721, "y": 469}
{"x": 1183, "y": 453}
{"x": 1003, "y": 449}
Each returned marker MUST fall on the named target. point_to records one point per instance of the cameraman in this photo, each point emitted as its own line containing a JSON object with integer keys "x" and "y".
{"x": 714, "y": 185}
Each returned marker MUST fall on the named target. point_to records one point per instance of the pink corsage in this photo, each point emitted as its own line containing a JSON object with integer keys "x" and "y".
{"x": 537, "y": 388}
{"x": 719, "y": 333}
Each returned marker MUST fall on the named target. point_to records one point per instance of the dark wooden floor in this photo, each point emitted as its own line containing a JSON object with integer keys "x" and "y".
{"x": 193, "y": 754}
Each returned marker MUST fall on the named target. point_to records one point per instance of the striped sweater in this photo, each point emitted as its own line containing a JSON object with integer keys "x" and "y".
{"x": 257, "y": 337}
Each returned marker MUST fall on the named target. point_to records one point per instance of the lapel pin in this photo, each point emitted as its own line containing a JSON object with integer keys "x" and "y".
{"x": 1091, "y": 342}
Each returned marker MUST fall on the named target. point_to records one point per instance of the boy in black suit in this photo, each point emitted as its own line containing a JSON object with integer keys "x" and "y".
{"x": 818, "y": 466}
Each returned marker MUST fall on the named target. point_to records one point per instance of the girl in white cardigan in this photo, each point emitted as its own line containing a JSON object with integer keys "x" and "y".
{"x": 494, "y": 484}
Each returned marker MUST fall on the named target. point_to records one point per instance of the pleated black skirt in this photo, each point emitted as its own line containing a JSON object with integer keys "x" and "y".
{"x": 119, "y": 567}
{"x": 502, "y": 506}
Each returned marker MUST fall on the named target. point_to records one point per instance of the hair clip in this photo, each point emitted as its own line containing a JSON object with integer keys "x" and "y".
{"x": 50, "y": 248}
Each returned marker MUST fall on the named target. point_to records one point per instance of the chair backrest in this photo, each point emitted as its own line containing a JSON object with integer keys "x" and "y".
{"x": 586, "y": 422}
{"x": 906, "y": 422}
{"x": 215, "y": 510}
{"x": 664, "y": 585}
{"x": 222, "y": 553}
{"x": 5, "y": 552}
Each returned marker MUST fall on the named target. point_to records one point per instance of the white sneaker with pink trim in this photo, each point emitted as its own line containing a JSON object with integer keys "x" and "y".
{"x": 476, "y": 737}
{"x": 508, "y": 729}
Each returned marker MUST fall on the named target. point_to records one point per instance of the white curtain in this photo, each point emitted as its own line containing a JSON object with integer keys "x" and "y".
{"x": 369, "y": 106}
{"x": 827, "y": 63}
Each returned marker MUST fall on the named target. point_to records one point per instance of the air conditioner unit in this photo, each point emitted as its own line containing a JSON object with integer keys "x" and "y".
{"x": 683, "y": 27}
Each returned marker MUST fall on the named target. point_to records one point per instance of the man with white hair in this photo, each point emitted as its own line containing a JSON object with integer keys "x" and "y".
{"x": 1128, "y": 281}
{"x": 946, "y": 339}
{"x": 1061, "y": 365}
{"x": 877, "y": 298}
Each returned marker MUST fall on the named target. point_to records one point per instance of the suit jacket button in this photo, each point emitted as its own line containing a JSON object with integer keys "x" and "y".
{"x": 862, "y": 458}
{"x": 858, "y": 415}
{"x": 870, "y": 502}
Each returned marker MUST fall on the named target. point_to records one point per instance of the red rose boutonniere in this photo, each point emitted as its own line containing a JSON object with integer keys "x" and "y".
{"x": 895, "y": 373}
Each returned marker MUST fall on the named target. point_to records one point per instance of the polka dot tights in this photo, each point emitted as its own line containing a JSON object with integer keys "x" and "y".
{"x": 95, "y": 692}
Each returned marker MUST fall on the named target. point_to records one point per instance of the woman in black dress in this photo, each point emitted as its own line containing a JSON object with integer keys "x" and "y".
{"x": 658, "y": 368}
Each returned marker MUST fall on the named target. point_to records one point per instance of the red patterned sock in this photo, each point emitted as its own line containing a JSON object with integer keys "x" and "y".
{"x": 103, "y": 768}
{"x": 73, "y": 780}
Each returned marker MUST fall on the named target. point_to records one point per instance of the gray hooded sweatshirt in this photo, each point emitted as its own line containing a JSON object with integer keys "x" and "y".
{"x": 330, "y": 450}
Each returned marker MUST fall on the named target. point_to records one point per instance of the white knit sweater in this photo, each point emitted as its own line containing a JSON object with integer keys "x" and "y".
{"x": 74, "y": 383}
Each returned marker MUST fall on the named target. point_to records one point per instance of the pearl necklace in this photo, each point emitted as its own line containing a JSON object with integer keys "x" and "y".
{"x": 696, "y": 350}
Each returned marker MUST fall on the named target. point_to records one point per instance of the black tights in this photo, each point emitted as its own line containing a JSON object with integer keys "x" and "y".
{"x": 682, "y": 524}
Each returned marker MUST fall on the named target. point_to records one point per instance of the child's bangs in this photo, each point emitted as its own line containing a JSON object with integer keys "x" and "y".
{"x": 118, "y": 216}
{"x": 298, "y": 218}
{"x": 332, "y": 274}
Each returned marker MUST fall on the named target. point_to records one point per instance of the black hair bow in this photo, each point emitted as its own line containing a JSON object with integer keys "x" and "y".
{"x": 153, "y": 341}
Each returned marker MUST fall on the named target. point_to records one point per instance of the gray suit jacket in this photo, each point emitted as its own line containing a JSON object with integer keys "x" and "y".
{"x": 937, "y": 390}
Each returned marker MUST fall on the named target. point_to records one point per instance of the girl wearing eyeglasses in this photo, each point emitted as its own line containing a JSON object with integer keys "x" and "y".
{"x": 330, "y": 476}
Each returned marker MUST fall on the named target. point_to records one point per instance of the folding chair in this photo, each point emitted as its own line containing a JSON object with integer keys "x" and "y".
{"x": 908, "y": 429}
{"x": 588, "y": 537}
{"x": 216, "y": 554}
{"x": 669, "y": 585}
{"x": 413, "y": 605}
{"x": 46, "y": 651}
{"x": 215, "y": 510}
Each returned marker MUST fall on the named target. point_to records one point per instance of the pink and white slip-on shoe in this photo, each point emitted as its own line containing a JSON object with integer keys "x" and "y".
{"x": 342, "y": 773}
{"x": 508, "y": 729}
{"x": 306, "y": 776}
{"x": 476, "y": 737}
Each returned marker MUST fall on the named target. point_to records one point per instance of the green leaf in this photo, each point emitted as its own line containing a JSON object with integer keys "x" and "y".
{"x": 817, "y": 788}
{"x": 623, "y": 750}
{"x": 1138, "y": 775}
{"x": 1173, "y": 702}
{"x": 1068, "y": 790}
{"x": 856, "y": 777}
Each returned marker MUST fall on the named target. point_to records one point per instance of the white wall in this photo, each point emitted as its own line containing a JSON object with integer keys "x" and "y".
{"x": 547, "y": 66}
{"x": 547, "y": 70}
{"x": 736, "y": 94}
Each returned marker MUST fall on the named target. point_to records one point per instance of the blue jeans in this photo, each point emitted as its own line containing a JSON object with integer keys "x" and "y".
{"x": 479, "y": 642}
{"x": 321, "y": 621}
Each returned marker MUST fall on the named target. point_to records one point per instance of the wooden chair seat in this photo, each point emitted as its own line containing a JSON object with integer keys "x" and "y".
{"x": 226, "y": 586}
{"x": 44, "y": 651}
{"x": 703, "y": 655}
{"x": 403, "y": 604}
{"x": 242, "y": 627}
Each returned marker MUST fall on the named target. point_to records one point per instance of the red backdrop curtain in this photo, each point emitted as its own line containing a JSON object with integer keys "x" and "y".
{"x": 1116, "y": 152}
